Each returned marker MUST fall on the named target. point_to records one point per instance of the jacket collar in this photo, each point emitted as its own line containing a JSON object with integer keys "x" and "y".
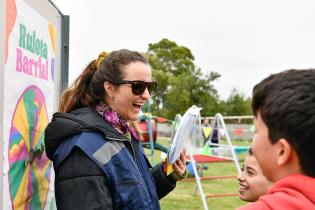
{"x": 65, "y": 125}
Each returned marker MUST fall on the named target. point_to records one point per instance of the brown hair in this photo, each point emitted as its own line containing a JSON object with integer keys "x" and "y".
{"x": 88, "y": 89}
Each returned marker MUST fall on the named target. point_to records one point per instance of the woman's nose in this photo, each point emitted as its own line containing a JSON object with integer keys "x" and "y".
{"x": 146, "y": 95}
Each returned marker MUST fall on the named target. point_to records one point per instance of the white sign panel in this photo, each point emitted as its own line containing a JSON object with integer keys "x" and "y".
{"x": 28, "y": 105}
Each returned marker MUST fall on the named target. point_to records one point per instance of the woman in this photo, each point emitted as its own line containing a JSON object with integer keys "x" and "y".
{"x": 252, "y": 182}
{"x": 95, "y": 143}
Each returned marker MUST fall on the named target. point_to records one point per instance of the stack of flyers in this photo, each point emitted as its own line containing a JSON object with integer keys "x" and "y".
{"x": 185, "y": 133}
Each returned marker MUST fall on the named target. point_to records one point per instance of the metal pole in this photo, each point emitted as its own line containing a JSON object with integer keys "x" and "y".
{"x": 65, "y": 53}
{"x": 150, "y": 134}
{"x": 237, "y": 165}
{"x": 202, "y": 194}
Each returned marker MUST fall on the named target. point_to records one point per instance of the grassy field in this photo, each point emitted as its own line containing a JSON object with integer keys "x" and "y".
{"x": 186, "y": 197}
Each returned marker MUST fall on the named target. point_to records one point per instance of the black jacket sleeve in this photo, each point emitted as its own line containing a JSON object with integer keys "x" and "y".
{"x": 80, "y": 184}
{"x": 164, "y": 184}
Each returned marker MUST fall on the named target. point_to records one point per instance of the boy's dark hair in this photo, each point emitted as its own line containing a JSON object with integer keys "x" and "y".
{"x": 286, "y": 104}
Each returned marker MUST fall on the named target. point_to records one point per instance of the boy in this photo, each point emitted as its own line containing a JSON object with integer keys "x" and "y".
{"x": 284, "y": 143}
{"x": 252, "y": 182}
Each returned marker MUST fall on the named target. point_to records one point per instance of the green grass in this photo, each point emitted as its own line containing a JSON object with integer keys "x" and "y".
{"x": 184, "y": 197}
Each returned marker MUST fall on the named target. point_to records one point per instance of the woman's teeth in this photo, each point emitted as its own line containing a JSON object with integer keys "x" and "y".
{"x": 138, "y": 105}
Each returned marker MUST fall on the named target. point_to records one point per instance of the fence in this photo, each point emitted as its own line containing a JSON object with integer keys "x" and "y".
{"x": 236, "y": 131}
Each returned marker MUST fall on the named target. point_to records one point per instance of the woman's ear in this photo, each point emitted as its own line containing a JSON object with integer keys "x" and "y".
{"x": 284, "y": 152}
{"x": 108, "y": 87}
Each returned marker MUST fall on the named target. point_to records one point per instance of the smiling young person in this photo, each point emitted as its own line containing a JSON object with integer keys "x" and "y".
{"x": 94, "y": 140}
{"x": 284, "y": 109}
{"x": 252, "y": 182}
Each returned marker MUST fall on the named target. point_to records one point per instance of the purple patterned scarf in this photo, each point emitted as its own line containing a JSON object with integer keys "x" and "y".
{"x": 116, "y": 121}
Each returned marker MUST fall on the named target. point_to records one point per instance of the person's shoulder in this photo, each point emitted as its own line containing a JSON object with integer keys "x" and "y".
{"x": 77, "y": 164}
{"x": 261, "y": 205}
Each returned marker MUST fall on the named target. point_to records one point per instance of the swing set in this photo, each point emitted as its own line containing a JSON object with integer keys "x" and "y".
{"x": 214, "y": 151}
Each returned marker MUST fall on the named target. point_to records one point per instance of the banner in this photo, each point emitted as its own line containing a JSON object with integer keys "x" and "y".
{"x": 30, "y": 53}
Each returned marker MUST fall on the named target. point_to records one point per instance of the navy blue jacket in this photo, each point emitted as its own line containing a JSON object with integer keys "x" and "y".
{"x": 98, "y": 168}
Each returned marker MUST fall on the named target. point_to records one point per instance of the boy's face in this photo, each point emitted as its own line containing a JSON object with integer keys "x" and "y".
{"x": 264, "y": 151}
{"x": 252, "y": 182}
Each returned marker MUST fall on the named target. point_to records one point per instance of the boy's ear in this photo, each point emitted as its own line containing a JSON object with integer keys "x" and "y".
{"x": 284, "y": 152}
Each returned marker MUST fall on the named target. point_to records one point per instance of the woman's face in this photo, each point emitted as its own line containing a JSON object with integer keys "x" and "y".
{"x": 252, "y": 182}
{"x": 121, "y": 99}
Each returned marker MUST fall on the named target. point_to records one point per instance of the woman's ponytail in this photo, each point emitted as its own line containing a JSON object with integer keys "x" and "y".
{"x": 79, "y": 94}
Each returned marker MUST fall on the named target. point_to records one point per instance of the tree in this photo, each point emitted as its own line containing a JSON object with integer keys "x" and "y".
{"x": 237, "y": 105}
{"x": 181, "y": 83}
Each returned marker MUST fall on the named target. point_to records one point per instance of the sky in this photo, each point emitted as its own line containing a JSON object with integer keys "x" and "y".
{"x": 244, "y": 40}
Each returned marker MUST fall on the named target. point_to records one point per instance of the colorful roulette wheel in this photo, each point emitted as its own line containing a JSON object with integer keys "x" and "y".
{"x": 29, "y": 172}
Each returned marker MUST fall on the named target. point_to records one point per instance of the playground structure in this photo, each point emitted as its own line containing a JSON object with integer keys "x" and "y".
{"x": 148, "y": 126}
{"x": 203, "y": 151}
{"x": 212, "y": 150}
{"x": 238, "y": 127}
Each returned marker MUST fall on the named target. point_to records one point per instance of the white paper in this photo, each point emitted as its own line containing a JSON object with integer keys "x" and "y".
{"x": 188, "y": 130}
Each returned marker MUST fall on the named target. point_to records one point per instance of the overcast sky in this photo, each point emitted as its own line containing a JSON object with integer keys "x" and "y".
{"x": 243, "y": 40}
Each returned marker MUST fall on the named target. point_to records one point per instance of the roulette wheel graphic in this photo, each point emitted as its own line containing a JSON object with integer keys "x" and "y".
{"x": 29, "y": 168}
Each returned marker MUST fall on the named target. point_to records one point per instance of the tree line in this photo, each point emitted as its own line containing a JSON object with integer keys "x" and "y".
{"x": 181, "y": 84}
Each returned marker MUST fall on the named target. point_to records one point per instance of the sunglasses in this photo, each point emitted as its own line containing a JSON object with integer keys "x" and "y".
{"x": 138, "y": 86}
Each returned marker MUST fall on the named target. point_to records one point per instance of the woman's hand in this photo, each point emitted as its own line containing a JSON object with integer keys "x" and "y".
{"x": 179, "y": 165}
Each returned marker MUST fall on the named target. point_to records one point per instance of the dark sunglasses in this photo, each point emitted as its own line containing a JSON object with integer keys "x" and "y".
{"x": 138, "y": 86}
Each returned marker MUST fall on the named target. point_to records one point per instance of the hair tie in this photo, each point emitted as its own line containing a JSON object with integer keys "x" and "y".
{"x": 101, "y": 57}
